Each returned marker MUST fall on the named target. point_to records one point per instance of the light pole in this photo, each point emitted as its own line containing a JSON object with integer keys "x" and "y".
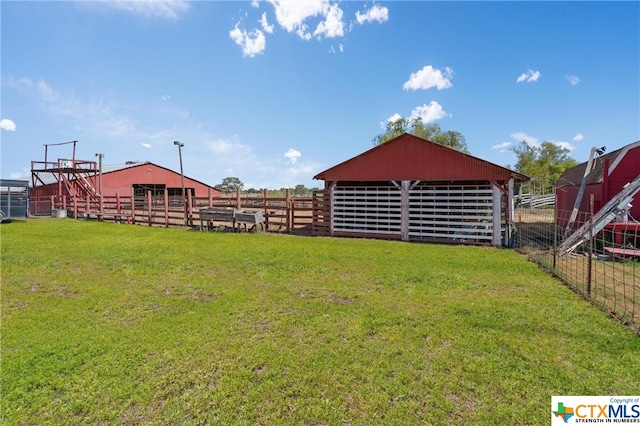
{"x": 100, "y": 156}
{"x": 180, "y": 145}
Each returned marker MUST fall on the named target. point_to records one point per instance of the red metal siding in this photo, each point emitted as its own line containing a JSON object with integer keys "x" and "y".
{"x": 120, "y": 181}
{"x": 624, "y": 172}
{"x": 408, "y": 157}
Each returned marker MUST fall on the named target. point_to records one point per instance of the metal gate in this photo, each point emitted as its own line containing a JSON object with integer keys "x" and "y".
{"x": 14, "y": 197}
{"x": 365, "y": 210}
{"x": 451, "y": 212}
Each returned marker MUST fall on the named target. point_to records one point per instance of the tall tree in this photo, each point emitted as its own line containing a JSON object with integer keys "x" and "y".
{"x": 230, "y": 184}
{"x": 544, "y": 163}
{"x": 431, "y": 132}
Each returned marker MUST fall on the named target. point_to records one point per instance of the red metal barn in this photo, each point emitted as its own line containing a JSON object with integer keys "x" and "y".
{"x": 413, "y": 189}
{"x": 609, "y": 173}
{"x": 132, "y": 179}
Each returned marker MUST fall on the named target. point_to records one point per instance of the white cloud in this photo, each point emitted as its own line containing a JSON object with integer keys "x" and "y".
{"x": 376, "y": 13}
{"x": 578, "y": 137}
{"x": 146, "y": 145}
{"x": 265, "y": 24}
{"x": 394, "y": 117}
{"x": 166, "y": 97}
{"x": 565, "y": 145}
{"x": 47, "y": 93}
{"x": 255, "y": 3}
{"x": 23, "y": 174}
{"x": 332, "y": 26}
{"x": 529, "y": 76}
{"x": 8, "y": 125}
{"x": 228, "y": 147}
{"x": 520, "y": 136}
{"x": 303, "y": 32}
{"x": 534, "y": 142}
{"x": 573, "y": 79}
{"x": 252, "y": 43}
{"x": 501, "y": 146}
{"x": 429, "y": 77}
{"x": 429, "y": 113}
{"x": 292, "y": 14}
{"x": 332, "y": 49}
{"x": 96, "y": 117}
{"x": 293, "y": 155}
{"x": 164, "y": 9}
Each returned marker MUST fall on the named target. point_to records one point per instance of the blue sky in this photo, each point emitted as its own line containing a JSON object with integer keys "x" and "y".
{"x": 274, "y": 92}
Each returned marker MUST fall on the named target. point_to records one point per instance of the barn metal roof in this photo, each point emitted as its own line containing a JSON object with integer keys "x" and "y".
{"x": 574, "y": 175}
{"x": 408, "y": 157}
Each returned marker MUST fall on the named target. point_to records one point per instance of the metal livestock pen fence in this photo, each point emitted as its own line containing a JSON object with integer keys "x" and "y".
{"x": 603, "y": 267}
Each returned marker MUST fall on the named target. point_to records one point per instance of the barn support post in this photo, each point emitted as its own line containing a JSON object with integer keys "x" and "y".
{"x": 404, "y": 209}
{"x": 118, "y": 211}
{"x": 497, "y": 217}
{"x": 508, "y": 215}
{"x": 332, "y": 194}
{"x": 238, "y": 199}
{"x": 210, "y": 195}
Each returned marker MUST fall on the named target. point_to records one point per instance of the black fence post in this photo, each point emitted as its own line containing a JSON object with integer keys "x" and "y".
{"x": 590, "y": 245}
{"x": 555, "y": 234}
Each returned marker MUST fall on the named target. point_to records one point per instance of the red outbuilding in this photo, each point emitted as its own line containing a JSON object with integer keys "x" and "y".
{"x": 413, "y": 189}
{"x": 81, "y": 178}
{"x": 609, "y": 174}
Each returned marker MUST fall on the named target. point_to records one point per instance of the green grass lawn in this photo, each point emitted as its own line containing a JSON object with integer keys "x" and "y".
{"x": 119, "y": 324}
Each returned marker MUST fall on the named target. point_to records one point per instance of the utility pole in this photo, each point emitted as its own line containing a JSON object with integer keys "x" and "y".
{"x": 100, "y": 156}
{"x": 180, "y": 145}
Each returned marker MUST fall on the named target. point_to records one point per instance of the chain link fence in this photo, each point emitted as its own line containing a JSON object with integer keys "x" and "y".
{"x": 604, "y": 266}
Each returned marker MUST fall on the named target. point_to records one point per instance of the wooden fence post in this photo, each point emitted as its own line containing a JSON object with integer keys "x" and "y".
{"x": 149, "y": 207}
{"x": 166, "y": 207}
{"x": 288, "y": 210}
{"x": 190, "y": 208}
{"x": 265, "y": 198}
